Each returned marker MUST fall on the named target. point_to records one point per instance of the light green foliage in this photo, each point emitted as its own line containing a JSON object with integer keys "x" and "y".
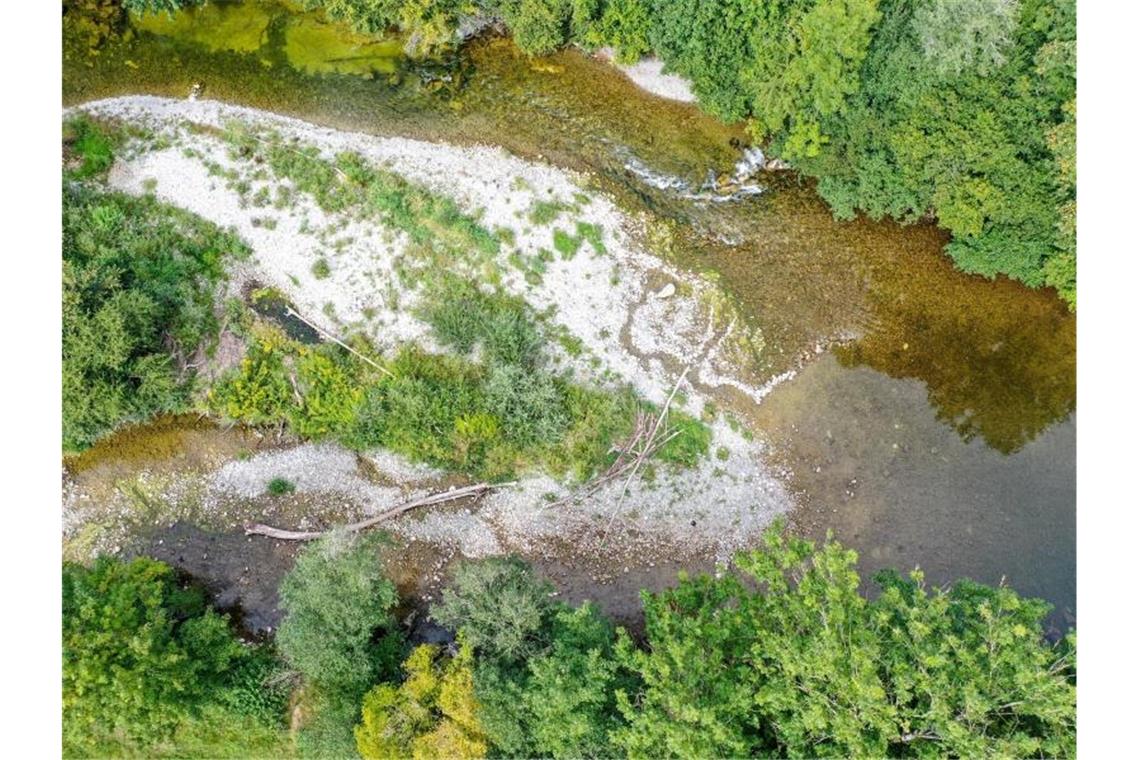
{"x": 92, "y": 144}
{"x": 338, "y": 626}
{"x": 139, "y": 281}
{"x": 143, "y": 655}
{"x": 329, "y": 392}
{"x": 429, "y": 24}
{"x": 690, "y": 443}
{"x": 959, "y": 34}
{"x": 258, "y": 392}
{"x": 807, "y": 59}
{"x": 794, "y": 662}
{"x": 431, "y": 715}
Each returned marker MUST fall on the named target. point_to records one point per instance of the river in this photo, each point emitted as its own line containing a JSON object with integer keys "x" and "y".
{"x": 931, "y": 417}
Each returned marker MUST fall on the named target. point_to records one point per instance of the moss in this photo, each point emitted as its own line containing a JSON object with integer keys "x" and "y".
{"x": 316, "y": 47}
{"x": 240, "y": 28}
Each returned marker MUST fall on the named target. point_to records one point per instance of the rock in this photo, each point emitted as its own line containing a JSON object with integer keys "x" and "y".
{"x": 776, "y": 165}
{"x": 667, "y": 291}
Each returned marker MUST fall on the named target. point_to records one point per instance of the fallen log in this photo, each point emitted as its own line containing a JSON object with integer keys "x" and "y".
{"x": 257, "y": 529}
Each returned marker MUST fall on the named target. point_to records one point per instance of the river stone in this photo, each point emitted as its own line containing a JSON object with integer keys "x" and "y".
{"x": 666, "y": 291}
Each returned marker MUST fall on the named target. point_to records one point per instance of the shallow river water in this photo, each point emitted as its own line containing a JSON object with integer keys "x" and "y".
{"x": 932, "y": 416}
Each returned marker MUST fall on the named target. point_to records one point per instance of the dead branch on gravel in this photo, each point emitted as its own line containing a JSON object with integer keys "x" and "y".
{"x": 649, "y": 435}
{"x": 474, "y": 491}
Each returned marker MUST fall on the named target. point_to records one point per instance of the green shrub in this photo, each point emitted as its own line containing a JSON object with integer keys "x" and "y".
{"x": 321, "y": 269}
{"x": 499, "y": 606}
{"x": 139, "y": 282}
{"x": 329, "y": 392}
{"x": 280, "y": 486}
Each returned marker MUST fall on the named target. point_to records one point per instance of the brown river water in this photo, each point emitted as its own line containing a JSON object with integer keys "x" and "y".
{"x": 932, "y": 417}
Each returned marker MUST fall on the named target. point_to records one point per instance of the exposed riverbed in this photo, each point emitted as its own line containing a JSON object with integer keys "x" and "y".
{"x": 930, "y": 418}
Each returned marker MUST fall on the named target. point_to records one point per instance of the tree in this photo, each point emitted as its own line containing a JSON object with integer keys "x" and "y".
{"x": 500, "y": 607}
{"x": 141, "y": 651}
{"x": 338, "y": 605}
{"x": 794, "y": 662}
{"x": 545, "y": 673}
{"x": 431, "y": 715}
{"x": 807, "y": 59}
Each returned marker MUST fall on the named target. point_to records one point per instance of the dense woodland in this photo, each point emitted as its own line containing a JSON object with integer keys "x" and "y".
{"x": 959, "y": 110}
{"x": 780, "y": 656}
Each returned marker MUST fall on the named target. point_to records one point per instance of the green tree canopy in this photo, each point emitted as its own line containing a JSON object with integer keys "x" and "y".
{"x": 141, "y": 650}
{"x": 783, "y": 656}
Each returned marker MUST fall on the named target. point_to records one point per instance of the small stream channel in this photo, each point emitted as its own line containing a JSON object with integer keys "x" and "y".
{"x": 932, "y": 419}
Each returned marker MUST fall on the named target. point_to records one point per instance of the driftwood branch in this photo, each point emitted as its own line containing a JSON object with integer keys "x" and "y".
{"x": 256, "y": 529}
{"x": 338, "y": 341}
{"x": 651, "y": 445}
{"x": 649, "y": 434}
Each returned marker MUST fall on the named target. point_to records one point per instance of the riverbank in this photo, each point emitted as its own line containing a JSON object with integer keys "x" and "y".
{"x": 620, "y": 314}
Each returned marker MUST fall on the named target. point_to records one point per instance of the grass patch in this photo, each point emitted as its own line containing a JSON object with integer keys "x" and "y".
{"x": 545, "y": 212}
{"x": 280, "y": 487}
{"x": 90, "y": 145}
{"x": 566, "y": 244}
{"x": 321, "y": 269}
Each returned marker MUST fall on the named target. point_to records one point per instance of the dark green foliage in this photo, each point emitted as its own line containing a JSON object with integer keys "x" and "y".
{"x": 139, "y": 281}
{"x": 794, "y": 662}
{"x": 709, "y": 42}
{"x": 280, "y": 486}
{"x": 142, "y": 654}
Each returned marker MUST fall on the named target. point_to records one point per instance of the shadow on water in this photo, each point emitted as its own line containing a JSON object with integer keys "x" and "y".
{"x": 974, "y": 380}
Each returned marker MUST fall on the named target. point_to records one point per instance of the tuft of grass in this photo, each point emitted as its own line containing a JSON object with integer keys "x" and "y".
{"x": 690, "y": 444}
{"x": 545, "y": 212}
{"x": 321, "y": 269}
{"x": 592, "y": 234}
{"x": 566, "y": 244}
{"x": 280, "y": 487}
